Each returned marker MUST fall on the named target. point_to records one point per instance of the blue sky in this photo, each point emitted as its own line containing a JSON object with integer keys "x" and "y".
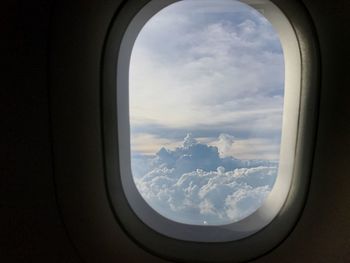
{"x": 213, "y": 69}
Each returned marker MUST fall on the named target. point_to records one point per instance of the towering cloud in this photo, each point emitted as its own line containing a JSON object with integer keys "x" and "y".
{"x": 193, "y": 184}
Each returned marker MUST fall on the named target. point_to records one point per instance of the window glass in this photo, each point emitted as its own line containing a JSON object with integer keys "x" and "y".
{"x": 206, "y": 92}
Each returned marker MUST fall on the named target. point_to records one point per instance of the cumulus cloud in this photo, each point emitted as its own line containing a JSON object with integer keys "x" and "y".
{"x": 225, "y": 144}
{"x": 193, "y": 184}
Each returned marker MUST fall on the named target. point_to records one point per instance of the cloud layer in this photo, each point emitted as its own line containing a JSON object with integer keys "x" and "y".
{"x": 208, "y": 69}
{"x": 192, "y": 184}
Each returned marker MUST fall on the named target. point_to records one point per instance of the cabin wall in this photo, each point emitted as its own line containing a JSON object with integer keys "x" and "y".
{"x": 31, "y": 229}
{"x": 31, "y": 226}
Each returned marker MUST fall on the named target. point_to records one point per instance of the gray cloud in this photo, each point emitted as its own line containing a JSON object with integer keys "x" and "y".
{"x": 207, "y": 69}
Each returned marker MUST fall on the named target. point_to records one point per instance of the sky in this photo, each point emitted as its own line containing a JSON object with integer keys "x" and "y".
{"x": 211, "y": 72}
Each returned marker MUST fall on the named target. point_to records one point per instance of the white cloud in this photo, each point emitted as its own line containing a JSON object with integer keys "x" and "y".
{"x": 251, "y": 148}
{"x": 195, "y": 65}
{"x": 239, "y": 204}
{"x": 225, "y": 144}
{"x": 192, "y": 184}
{"x": 149, "y": 144}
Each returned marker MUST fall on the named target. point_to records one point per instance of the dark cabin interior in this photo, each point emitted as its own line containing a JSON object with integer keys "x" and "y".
{"x": 32, "y": 228}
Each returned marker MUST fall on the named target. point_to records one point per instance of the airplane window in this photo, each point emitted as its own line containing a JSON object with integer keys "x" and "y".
{"x": 206, "y": 97}
{"x": 204, "y": 118}
{"x": 207, "y": 103}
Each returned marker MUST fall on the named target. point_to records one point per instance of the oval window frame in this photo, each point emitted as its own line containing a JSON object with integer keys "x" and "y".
{"x": 263, "y": 229}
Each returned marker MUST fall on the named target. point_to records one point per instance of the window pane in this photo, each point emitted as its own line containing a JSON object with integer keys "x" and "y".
{"x": 206, "y": 91}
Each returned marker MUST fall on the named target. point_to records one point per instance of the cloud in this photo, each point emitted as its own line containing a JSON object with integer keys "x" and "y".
{"x": 193, "y": 184}
{"x": 248, "y": 148}
{"x": 138, "y": 144}
{"x": 209, "y": 69}
{"x": 239, "y": 204}
{"x": 214, "y": 70}
{"x": 225, "y": 144}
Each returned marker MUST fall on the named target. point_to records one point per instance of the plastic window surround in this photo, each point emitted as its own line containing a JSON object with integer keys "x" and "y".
{"x": 282, "y": 207}
{"x": 278, "y": 195}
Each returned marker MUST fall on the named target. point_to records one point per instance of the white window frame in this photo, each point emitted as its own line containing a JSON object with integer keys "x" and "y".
{"x": 265, "y": 228}
{"x": 275, "y": 200}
